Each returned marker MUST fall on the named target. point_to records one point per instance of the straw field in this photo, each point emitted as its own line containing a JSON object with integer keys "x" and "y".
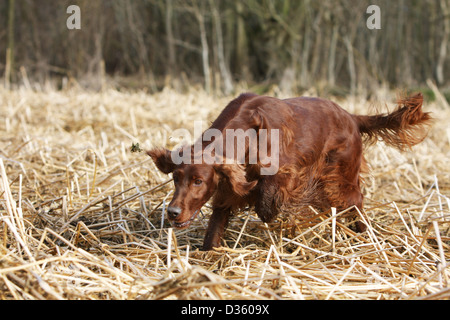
{"x": 82, "y": 217}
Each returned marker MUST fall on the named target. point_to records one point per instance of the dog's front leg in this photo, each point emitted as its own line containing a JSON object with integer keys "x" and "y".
{"x": 216, "y": 228}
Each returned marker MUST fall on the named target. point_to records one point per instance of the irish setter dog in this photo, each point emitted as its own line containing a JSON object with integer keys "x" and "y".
{"x": 319, "y": 159}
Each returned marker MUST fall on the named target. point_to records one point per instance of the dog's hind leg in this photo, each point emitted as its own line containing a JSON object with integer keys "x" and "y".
{"x": 266, "y": 194}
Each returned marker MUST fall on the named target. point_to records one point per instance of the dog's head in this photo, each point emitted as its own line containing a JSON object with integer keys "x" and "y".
{"x": 195, "y": 184}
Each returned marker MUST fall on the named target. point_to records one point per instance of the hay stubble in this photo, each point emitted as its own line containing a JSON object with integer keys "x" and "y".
{"x": 82, "y": 217}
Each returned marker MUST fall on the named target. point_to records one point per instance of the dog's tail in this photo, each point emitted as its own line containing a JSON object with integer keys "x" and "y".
{"x": 402, "y": 128}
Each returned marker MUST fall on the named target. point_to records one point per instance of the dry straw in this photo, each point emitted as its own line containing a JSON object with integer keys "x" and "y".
{"x": 81, "y": 217}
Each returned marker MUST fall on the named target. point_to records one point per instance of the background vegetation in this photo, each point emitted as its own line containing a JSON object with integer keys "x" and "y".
{"x": 82, "y": 217}
{"x": 294, "y": 44}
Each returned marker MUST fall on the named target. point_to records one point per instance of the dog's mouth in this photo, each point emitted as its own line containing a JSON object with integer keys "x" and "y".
{"x": 185, "y": 224}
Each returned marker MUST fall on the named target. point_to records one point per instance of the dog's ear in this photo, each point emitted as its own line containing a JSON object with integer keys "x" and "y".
{"x": 235, "y": 175}
{"x": 162, "y": 159}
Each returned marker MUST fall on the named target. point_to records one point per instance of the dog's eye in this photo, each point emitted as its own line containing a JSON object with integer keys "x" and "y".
{"x": 198, "y": 182}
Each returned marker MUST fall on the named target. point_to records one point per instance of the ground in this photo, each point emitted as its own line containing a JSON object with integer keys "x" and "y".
{"x": 81, "y": 214}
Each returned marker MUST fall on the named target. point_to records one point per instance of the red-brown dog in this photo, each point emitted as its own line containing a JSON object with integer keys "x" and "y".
{"x": 317, "y": 156}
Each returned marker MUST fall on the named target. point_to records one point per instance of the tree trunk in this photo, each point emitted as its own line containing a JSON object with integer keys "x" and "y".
{"x": 241, "y": 44}
{"x": 444, "y": 43}
{"x": 205, "y": 50}
{"x": 9, "y": 69}
{"x": 304, "y": 74}
{"x": 332, "y": 57}
{"x": 169, "y": 38}
{"x": 351, "y": 65}
{"x": 224, "y": 71}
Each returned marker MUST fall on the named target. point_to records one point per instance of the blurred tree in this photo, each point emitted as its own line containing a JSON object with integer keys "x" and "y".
{"x": 9, "y": 66}
{"x": 294, "y": 44}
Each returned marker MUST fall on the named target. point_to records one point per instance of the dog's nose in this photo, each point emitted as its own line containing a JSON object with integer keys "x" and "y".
{"x": 173, "y": 212}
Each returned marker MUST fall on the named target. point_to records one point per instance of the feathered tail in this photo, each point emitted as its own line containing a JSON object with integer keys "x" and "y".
{"x": 403, "y": 128}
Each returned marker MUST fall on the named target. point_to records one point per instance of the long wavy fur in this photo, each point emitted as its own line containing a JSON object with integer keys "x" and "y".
{"x": 403, "y": 128}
